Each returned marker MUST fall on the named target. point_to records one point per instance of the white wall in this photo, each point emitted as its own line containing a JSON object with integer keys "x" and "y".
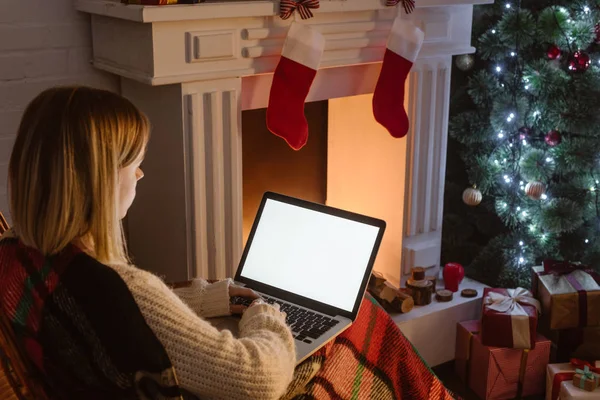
{"x": 366, "y": 170}
{"x": 43, "y": 43}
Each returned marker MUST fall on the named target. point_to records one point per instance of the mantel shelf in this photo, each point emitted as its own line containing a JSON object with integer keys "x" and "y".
{"x": 236, "y": 9}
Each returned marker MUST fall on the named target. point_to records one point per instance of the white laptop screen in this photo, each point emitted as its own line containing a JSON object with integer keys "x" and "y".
{"x": 312, "y": 254}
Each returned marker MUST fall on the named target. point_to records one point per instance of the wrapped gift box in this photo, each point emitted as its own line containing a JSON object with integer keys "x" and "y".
{"x": 509, "y": 318}
{"x": 464, "y": 336}
{"x": 569, "y": 299}
{"x": 559, "y": 383}
{"x": 499, "y": 373}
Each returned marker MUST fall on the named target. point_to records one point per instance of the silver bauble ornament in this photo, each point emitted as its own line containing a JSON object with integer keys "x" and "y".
{"x": 465, "y": 62}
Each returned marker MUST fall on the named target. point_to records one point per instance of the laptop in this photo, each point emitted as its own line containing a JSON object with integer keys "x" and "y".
{"x": 314, "y": 261}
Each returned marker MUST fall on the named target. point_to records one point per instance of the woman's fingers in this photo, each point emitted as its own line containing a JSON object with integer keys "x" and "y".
{"x": 237, "y": 308}
{"x": 242, "y": 292}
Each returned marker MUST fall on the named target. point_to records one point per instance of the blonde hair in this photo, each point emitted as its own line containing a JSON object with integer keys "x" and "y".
{"x": 63, "y": 170}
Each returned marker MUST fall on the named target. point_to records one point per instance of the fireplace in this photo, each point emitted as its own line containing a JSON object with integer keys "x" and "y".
{"x": 202, "y": 74}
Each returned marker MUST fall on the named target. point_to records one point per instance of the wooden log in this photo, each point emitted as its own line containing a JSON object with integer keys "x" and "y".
{"x": 444, "y": 295}
{"x": 433, "y": 280}
{"x": 376, "y": 281}
{"x": 418, "y": 273}
{"x": 402, "y": 303}
{"x": 421, "y": 291}
{"x": 393, "y": 299}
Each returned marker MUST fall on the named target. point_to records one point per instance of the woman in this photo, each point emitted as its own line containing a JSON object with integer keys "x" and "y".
{"x": 94, "y": 325}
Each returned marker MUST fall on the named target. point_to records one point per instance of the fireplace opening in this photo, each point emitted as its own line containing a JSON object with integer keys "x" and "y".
{"x": 269, "y": 164}
{"x": 349, "y": 162}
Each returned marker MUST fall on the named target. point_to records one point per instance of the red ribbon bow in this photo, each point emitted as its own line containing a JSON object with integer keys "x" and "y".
{"x": 409, "y": 5}
{"x": 581, "y": 364}
{"x": 563, "y": 267}
{"x": 287, "y": 8}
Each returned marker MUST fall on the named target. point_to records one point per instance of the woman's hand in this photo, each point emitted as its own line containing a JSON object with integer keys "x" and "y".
{"x": 241, "y": 292}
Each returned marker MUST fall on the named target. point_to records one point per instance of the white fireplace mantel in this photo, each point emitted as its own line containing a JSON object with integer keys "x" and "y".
{"x": 193, "y": 69}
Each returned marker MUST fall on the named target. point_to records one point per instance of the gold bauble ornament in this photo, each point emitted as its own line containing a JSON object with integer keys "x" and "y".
{"x": 472, "y": 196}
{"x": 465, "y": 62}
{"x": 535, "y": 190}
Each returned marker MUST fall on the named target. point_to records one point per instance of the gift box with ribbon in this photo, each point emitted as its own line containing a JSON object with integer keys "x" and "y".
{"x": 510, "y": 318}
{"x": 569, "y": 294}
{"x": 560, "y": 380}
{"x": 496, "y": 372}
{"x": 586, "y": 379}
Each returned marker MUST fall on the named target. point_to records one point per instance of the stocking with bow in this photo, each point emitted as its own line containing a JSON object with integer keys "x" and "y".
{"x": 403, "y": 47}
{"x": 287, "y": 8}
{"x": 408, "y": 5}
{"x": 294, "y": 75}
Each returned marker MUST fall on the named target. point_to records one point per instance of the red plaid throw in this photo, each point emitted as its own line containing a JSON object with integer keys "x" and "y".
{"x": 370, "y": 360}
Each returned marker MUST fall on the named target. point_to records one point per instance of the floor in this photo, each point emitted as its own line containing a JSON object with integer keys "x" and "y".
{"x": 446, "y": 374}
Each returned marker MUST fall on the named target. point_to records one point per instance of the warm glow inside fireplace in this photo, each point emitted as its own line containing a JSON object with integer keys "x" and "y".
{"x": 350, "y": 162}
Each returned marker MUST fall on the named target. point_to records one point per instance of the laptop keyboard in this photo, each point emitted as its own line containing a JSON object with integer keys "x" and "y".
{"x": 306, "y": 325}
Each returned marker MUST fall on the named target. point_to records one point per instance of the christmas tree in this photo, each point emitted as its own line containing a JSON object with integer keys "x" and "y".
{"x": 525, "y": 122}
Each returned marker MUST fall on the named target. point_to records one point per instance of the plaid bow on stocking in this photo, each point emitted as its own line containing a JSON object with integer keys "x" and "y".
{"x": 287, "y": 8}
{"x": 409, "y": 5}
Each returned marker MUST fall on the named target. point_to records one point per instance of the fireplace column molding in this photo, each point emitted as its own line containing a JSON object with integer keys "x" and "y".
{"x": 427, "y": 140}
{"x": 197, "y": 154}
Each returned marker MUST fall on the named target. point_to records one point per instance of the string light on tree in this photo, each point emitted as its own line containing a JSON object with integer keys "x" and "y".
{"x": 524, "y": 133}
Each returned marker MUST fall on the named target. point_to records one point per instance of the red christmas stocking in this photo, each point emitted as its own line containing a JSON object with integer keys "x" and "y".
{"x": 404, "y": 44}
{"x": 293, "y": 77}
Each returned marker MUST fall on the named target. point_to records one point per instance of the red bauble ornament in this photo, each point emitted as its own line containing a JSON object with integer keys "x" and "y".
{"x": 553, "y": 138}
{"x": 453, "y": 273}
{"x": 524, "y": 133}
{"x": 579, "y": 61}
{"x": 554, "y": 52}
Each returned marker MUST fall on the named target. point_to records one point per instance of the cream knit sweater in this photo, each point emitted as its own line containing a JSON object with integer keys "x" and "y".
{"x": 212, "y": 364}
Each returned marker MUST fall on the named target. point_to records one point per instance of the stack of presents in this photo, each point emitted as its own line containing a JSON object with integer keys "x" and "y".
{"x": 534, "y": 342}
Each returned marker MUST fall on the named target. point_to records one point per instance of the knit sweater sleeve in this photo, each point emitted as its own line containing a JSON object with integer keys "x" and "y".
{"x": 215, "y": 364}
{"x": 206, "y": 299}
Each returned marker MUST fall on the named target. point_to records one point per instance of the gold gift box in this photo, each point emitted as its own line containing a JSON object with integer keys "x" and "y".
{"x": 560, "y": 300}
{"x": 586, "y": 384}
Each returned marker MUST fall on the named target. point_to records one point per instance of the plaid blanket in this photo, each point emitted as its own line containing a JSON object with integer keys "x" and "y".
{"x": 370, "y": 360}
